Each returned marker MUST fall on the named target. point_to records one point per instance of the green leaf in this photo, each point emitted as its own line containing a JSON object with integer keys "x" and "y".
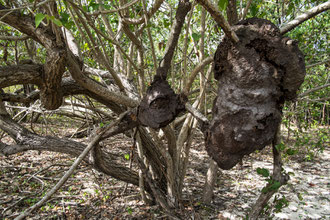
{"x": 223, "y": 4}
{"x": 290, "y": 151}
{"x": 101, "y": 125}
{"x": 280, "y": 147}
{"x": 38, "y": 18}
{"x": 254, "y": 10}
{"x": 126, "y": 156}
{"x": 64, "y": 17}
{"x": 129, "y": 210}
{"x": 275, "y": 186}
{"x": 263, "y": 172}
{"x": 57, "y": 22}
{"x": 265, "y": 189}
{"x": 196, "y": 36}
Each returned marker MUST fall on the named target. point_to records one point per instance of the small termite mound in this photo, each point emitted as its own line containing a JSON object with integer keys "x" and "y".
{"x": 255, "y": 76}
{"x": 160, "y": 105}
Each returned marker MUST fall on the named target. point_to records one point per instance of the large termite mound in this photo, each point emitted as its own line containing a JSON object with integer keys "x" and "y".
{"x": 255, "y": 76}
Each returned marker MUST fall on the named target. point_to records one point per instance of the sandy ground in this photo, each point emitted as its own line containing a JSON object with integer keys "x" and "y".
{"x": 25, "y": 177}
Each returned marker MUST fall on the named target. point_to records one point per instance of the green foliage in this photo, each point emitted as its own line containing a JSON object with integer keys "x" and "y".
{"x": 223, "y": 4}
{"x": 40, "y": 17}
{"x": 272, "y": 185}
{"x": 277, "y": 205}
{"x": 196, "y": 36}
{"x": 263, "y": 172}
{"x": 129, "y": 210}
{"x": 127, "y": 156}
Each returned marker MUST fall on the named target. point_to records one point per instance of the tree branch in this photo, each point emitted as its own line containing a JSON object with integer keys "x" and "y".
{"x": 122, "y": 8}
{"x": 150, "y": 13}
{"x": 318, "y": 63}
{"x": 194, "y": 73}
{"x": 220, "y": 19}
{"x": 95, "y": 87}
{"x": 14, "y": 38}
{"x": 25, "y": 24}
{"x": 183, "y": 9}
{"x": 21, "y": 74}
{"x": 305, "y": 16}
{"x": 198, "y": 115}
{"x": 278, "y": 176}
{"x": 27, "y": 140}
{"x": 313, "y": 90}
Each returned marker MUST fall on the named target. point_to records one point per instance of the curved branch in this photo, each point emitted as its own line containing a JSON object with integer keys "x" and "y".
{"x": 25, "y": 24}
{"x": 95, "y": 87}
{"x": 52, "y": 39}
{"x": 305, "y": 16}
{"x": 220, "y": 19}
{"x": 32, "y": 74}
{"x": 196, "y": 70}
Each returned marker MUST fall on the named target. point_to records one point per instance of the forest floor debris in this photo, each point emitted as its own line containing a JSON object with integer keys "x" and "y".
{"x": 26, "y": 177}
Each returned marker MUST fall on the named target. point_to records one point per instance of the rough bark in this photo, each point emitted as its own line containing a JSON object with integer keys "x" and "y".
{"x": 52, "y": 39}
{"x": 21, "y": 74}
{"x": 232, "y": 12}
{"x": 255, "y": 77}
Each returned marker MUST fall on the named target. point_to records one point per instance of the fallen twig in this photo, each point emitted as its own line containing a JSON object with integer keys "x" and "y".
{"x": 66, "y": 176}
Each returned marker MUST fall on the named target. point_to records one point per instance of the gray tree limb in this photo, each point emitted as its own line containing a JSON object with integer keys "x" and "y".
{"x": 305, "y": 16}
{"x": 220, "y": 19}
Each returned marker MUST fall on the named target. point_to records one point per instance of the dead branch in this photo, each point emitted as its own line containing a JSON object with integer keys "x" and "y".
{"x": 198, "y": 115}
{"x": 313, "y": 90}
{"x": 305, "y": 16}
{"x": 75, "y": 164}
